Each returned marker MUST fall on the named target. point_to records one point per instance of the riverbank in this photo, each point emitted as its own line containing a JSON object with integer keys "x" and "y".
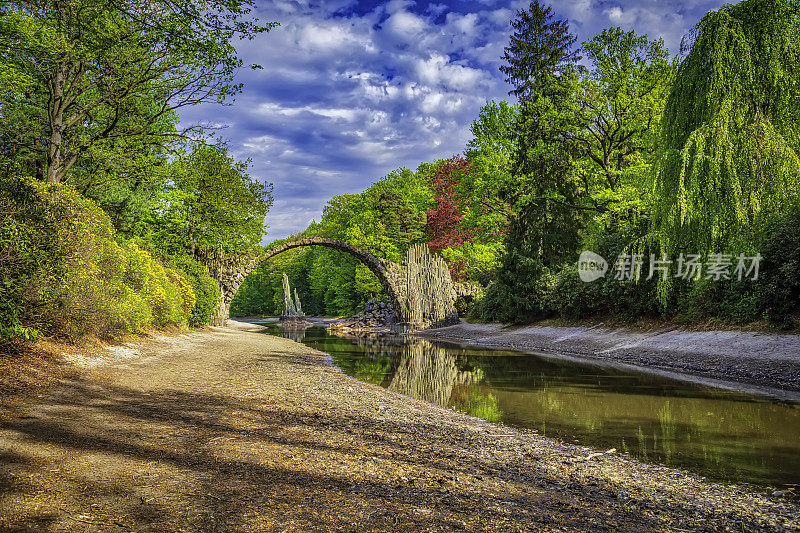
{"x": 235, "y": 430}
{"x": 760, "y": 363}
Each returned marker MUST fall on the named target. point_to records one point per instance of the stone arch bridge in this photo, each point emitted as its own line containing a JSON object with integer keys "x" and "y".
{"x": 416, "y": 304}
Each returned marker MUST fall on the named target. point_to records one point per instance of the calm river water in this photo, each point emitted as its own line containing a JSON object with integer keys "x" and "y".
{"x": 723, "y": 435}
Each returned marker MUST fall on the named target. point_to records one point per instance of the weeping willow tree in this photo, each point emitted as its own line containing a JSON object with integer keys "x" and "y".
{"x": 728, "y": 159}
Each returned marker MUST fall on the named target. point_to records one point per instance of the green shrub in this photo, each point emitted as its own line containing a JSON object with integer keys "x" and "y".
{"x": 779, "y": 277}
{"x": 573, "y": 299}
{"x": 520, "y": 293}
{"x": 724, "y": 301}
{"x": 17, "y": 262}
{"x": 133, "y": 314}
{"x": 161, "y": 287}
{"x": 63, "y": 274}
{"x": 61, "y": 252}
{"x": 505, "y": 303}
{"x": 628, "y": 299}
{"x": 205, "y": 289}
{"x": 774, "y": 296}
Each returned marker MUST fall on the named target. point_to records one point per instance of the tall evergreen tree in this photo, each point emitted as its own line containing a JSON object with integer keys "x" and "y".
{"x": 546, "y": 213}
{"x": 542, "y": 59}
{"x": 540, "y": 48}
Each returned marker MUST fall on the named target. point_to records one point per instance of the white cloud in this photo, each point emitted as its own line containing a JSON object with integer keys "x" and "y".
{"x": 617, "y": 16}
{"x": 326, "y": 39}
{"x": 345, "y": 96}
{"x": 405, "y": 26}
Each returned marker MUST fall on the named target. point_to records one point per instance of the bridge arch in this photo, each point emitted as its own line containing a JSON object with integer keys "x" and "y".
{"x": 382, "y": 269}
{"x": 230, "y": 274}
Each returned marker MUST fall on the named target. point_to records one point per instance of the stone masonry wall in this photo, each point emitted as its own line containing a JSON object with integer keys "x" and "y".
{"x": 230, "y": 272}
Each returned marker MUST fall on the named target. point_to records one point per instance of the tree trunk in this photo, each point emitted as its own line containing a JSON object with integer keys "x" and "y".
{"x": 56, "y": 112}
{"x": 54, "y": 154}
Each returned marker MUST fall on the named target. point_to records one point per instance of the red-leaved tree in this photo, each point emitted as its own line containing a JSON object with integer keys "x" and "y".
{"x": 444, "y": 227}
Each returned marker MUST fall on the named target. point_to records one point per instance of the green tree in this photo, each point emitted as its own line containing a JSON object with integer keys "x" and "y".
{"x": 620, "y": 101}
{"x": 729, "y": 155}
{"x": 93, "y": 72}
{"x": 211, "y": 204}
{"x": 491, "y": 151}
{"x": 545, "y": 203}
{"x": 540, "y": 49}
{"x": 546, "y": 206}
{"x": 125, "y": 178}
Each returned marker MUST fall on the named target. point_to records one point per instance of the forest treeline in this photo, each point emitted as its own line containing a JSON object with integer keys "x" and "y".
{"x": 106, "y": 199}
{"x": 682, "y": 174}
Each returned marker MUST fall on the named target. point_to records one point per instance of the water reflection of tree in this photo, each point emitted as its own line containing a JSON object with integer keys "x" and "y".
{"x": 423, "y": 370}
{"x": 369, "y": 359}
{"x": 668, "y": 432}
{"x": 476, "y": 400}
{"x": 726, "y": 440}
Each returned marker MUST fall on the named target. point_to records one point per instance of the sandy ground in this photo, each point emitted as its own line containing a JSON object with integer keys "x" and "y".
{"x": 230, "y": 430}
{"x": 763, "y": 363}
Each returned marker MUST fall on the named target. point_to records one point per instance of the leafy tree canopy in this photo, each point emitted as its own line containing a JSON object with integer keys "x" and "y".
{"x": 92, "y": 71}
{"x": 729, "y": 157}
{"x": 491, "y": 151}
{"x": 619, "y": 103}
{"x": 211, "y": 203}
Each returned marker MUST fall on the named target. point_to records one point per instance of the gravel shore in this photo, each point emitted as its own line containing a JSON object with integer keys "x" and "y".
{"x": 761, "y": 363}
{"x": 233, "y": 430}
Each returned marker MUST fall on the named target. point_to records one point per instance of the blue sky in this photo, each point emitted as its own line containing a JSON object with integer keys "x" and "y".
{"x": 352, "y": 90}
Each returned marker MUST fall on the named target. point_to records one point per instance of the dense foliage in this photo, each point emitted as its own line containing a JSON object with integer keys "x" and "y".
{"x": 104, "y": 199}
{"x": 729, "y": 156}
{"x": 611, "y": 147}
{"x": 64, "y": 273}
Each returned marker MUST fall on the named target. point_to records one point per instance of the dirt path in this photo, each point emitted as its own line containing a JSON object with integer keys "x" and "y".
{"x": 238, "y": 431}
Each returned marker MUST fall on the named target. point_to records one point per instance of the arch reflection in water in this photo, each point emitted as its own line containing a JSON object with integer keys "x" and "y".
{"x": 720, "y": 434}
{"x": 414, "y": 367}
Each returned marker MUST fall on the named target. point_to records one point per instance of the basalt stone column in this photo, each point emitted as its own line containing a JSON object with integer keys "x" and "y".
{"x": 430, "y": 295}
